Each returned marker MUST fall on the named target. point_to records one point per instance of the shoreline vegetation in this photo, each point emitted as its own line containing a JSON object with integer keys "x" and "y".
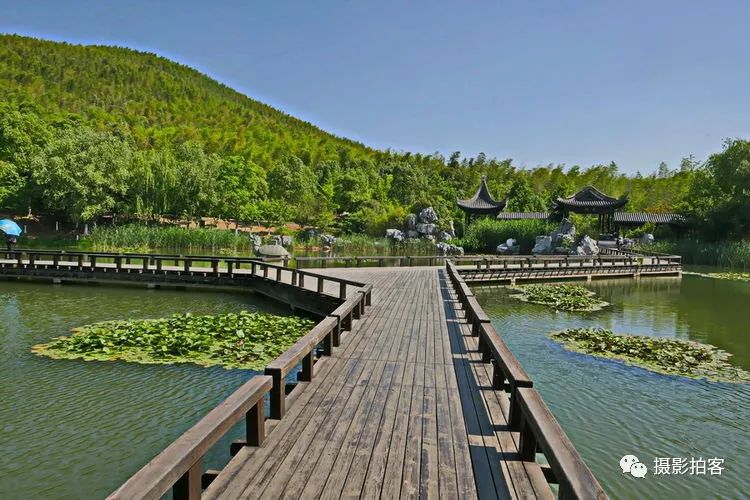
{"x": 244, "y": 340}
{"x": 661, "y": 355}
{"x": 722, "y": 276}
{"x": 574, "y": 298}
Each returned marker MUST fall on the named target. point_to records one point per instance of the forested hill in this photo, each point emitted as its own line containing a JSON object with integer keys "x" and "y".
{"x": 87, "y": 131}
{"x": 160, "y": 101}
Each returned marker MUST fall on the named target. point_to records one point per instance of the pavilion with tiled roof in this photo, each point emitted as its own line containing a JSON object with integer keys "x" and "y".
{"x": 482, "y": 203}
{"x": 590, "y": 200}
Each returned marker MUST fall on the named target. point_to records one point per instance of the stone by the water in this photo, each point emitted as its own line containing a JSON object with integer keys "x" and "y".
{"x": 428, "y": 216}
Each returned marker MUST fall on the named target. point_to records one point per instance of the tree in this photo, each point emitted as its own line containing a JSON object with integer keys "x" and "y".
{"x": 522, "y": 198}
{"x": 83, "y": 173}
{"x": 241, "y": 186}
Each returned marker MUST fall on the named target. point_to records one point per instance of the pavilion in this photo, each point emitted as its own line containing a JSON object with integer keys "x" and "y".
{"x": 591, "y": 201}
{"x": 482, "y": 203}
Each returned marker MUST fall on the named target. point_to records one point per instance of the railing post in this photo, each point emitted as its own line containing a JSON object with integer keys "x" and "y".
{"x": 255, "y": 425}
{"x": 230, "y": 268}
{"x": 328, "y": 342}
{"x": 498, "y": 378}
{"x": 265, "y": 270}
{"x": 118, "y": 263}
{"x": 278, "y": 274}
{"x": 301, "y": 280}
{"x": 321, "y": 283}
{"x": 187, "y": 265}
{"x": 294, "y": 276}
{"x": 80, "y": 261}
{"x": 92, "y": 260}
{"x": 306, "y": 374}
{"x": 188, "y": 487}
{"x": 527, "y": 443}
{"x": 278, "y": 395}
{"x": 215, "y": 266}
{"x": 252, "y": 268}
{"x": 342, "y": 290}
{"x": 56, "y": 261}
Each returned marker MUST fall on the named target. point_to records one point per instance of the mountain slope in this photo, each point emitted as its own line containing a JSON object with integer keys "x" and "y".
{"x": 160, "y": 101}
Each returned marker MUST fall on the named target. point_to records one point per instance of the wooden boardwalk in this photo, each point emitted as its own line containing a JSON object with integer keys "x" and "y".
{"x": 403, "y": 408}
{"x": 406, "y": 389}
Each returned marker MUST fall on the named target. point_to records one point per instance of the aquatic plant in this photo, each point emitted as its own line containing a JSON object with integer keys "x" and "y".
{"x": 561, "y": 297}
{"x": 243, "y": 340}
{"x": 733, "y": 254}
{"x": 143, "y": 238}
{"x": 662, "y": 355}
{"x": 730, "y": 276}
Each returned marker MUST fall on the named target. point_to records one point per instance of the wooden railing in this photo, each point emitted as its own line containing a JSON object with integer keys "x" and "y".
{"x": 179, "y": 466}
{"x": 528, "y": 414}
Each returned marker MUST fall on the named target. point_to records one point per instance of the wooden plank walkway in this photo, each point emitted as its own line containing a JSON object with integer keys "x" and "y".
{"x": 403, "y": 408}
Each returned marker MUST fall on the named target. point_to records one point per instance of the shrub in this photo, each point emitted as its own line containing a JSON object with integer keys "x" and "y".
{"x": 734, "y": 254}
{"x": 484, "y": 235}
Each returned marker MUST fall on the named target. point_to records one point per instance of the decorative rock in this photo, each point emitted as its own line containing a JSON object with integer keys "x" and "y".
{"x": 567, "y": 227}
{"x": 425, "y": 228}
{"x": 273, "y": 251}
{"x": 412, "y": 233}
{"x": 448, "y": 249}
{"x": 444, "y": 236}
{"x": 394, "y": 234}
{"x": 578, "y": 251}
{"x": 327, "y": 239}
{"x": 588, "y": 246}
{"x": 504, "y": 249}
{"x": 255, "y": 240}
{"x": 286, "y": 241}
{"x": 411, "y": 222}
{"x": 428, "y": 216}
{"x": 543, "y": 245}
{"x": 429, "y": 237}
{"x": 647, "y": 239}
{"x": 275, "y": 240}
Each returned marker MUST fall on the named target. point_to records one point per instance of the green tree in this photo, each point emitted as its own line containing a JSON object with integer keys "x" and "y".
{"x": 521, "y": 198}
{"x": 83, "y": 173}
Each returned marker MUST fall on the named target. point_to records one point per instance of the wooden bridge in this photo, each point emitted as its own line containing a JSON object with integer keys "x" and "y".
{"x": 403, "y": 389}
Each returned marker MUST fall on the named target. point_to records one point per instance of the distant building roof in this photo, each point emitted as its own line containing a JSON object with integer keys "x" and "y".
{"x": 482, "y": 202}
{"x": 590, "y": 200}
{"x": 619, "y": 218}
{"x": 644, "y": 217}
{"x": 523, "y": 215}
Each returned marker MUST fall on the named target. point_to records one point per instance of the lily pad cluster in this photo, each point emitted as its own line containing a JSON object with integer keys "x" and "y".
{"x": 730, "y": 276}
{"x": 243, "y": 340}
{"x": 561, "y": 297}
{"x": 662, "y": 355}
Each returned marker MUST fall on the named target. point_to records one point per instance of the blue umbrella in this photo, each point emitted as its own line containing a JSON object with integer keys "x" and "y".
{"x": 10, "y": 228}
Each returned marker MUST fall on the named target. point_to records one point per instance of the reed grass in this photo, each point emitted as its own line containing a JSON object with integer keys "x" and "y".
{"x": 730, "y": 254}
{"x": 141, "y": 238}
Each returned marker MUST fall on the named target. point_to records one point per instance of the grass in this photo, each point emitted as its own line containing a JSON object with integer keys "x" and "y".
{"x": 362, "y": 245}
{"x": 484, "y": 235}
{"x": 560, "y": 297}
{"x": 730, "y": 254}
{"x": 143, "y": 238}
{"x": 661, "y": 355}
{"x": 244, "y": 340}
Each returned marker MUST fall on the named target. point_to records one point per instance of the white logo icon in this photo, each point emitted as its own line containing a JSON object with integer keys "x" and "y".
{"x": 631, "y": 464}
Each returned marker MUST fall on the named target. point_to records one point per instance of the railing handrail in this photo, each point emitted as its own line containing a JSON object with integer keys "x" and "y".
{"x": 180, "y": 465}
{"x": 166, "y": 469}
{"x": 528, "y": 413}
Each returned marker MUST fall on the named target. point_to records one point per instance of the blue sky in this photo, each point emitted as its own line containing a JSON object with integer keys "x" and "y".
{"x": 574, "y": 82}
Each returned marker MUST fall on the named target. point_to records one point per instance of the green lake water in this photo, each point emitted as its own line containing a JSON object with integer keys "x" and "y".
{"x": 76, "y": 429}
{"x": 609, "y": 409}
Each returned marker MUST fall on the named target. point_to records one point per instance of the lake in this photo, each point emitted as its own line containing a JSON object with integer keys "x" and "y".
{"x": 76, "y": 429}
{"x": 609, "y": 409}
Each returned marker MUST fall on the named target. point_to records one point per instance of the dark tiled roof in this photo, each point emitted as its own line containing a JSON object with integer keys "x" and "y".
{"x": 590, "y": 197}
{"x": 644, "y": 217}
{"x": 482, "y": 201}
{"x": 522, "y": 215}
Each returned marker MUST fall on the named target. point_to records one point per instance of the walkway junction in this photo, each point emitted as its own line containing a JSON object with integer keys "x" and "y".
{"x": 403, "y": 388}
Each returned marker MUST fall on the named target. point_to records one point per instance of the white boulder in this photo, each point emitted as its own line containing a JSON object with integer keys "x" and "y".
{"x": 425, "y": 228}
{"x": 394, "y": 234}
{"x": 428, "y": 216}
{"x": 542, "y": 246}
{"x": 647, "y": 239}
